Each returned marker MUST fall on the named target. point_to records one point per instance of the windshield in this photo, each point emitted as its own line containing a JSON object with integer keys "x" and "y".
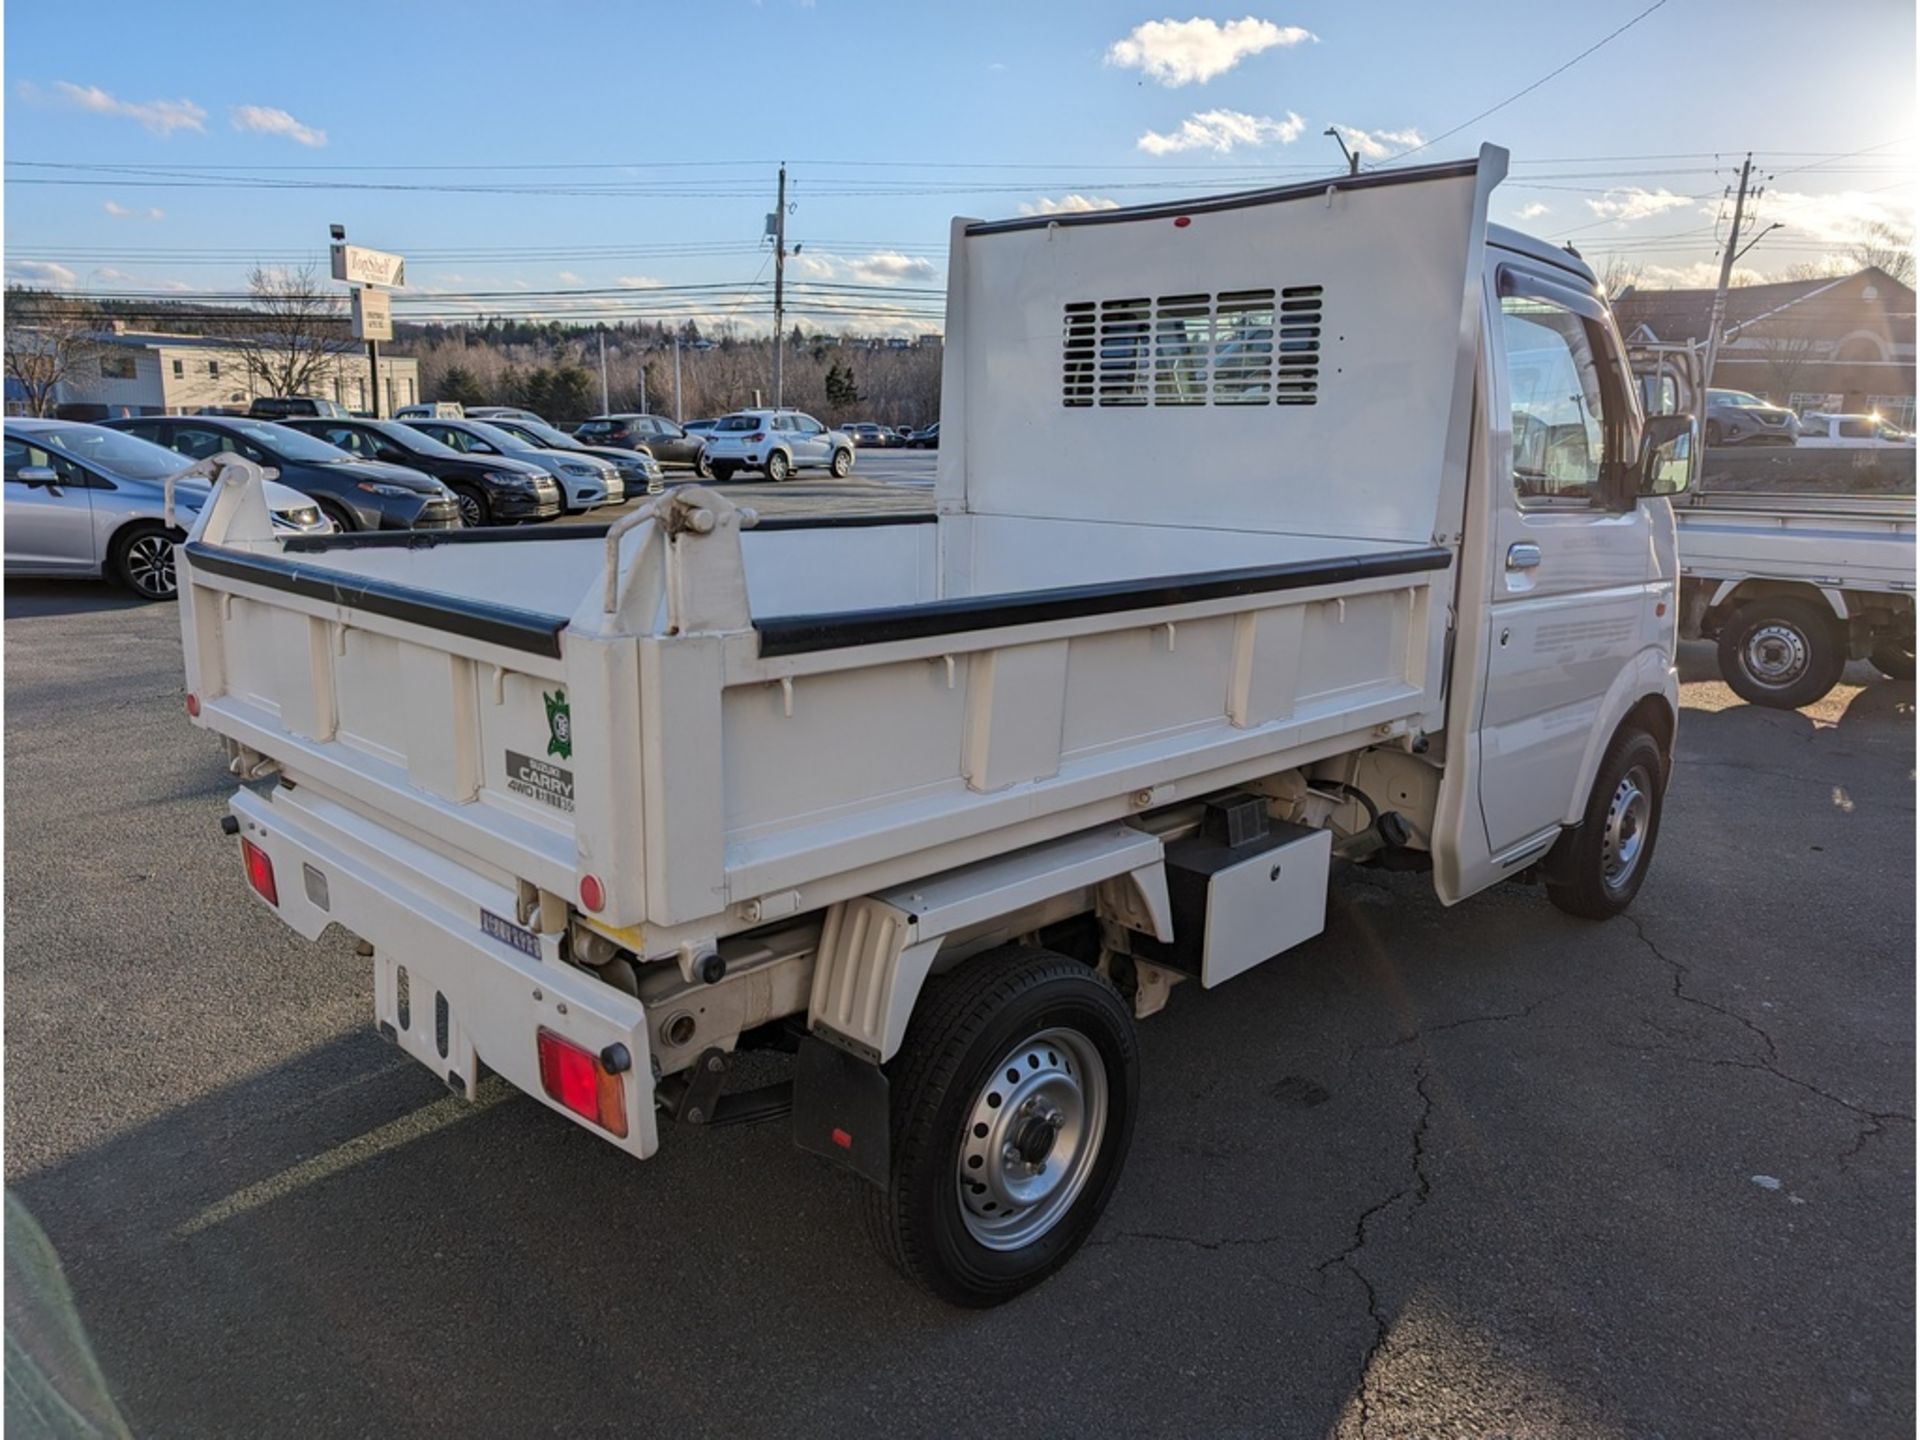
{"x": 1734, "y": 397}
{"x": 493, "y": 435}
{"x": 543, "y": 435}
{"x": 109, "y": 450}
{"x": 740, "y": 422}
{"x": 290, "y": 444}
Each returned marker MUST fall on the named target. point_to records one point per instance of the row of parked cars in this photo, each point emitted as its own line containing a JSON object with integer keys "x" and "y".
{"x": 88, "y": 499}
{"x": 1737, "y": 417}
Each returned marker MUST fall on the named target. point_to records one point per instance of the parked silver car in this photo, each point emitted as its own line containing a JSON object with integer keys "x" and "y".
{"x": 585, "y": 482}
{"x": 639, "y": 471}
{"x": 84, "y": 500}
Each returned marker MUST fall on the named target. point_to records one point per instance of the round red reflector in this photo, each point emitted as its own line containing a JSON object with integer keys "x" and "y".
{"x": 193, "y": 705}
{"x": 592, "y": 894}
{"x": 1181, "y": 222}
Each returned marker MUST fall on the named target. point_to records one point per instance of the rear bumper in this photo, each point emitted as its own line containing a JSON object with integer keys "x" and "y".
{"x": 466, "y": 996}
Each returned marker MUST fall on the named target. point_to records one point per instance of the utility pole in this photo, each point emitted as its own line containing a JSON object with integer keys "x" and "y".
{"x": 1727, "y": 257}
{"x": 678, "y": 417}
{"x": 605, "y": 407}
{"x": 779, "y": 286}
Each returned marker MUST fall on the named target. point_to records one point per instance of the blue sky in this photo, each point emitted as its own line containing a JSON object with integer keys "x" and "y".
{"x": 239, "y": 125}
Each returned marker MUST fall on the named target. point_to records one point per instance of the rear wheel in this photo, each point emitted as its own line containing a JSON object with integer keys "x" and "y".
{"x": 1013, "y": 1107}
{"x": 842, "y": 464}
{"x": 142, "y": 560}
{"x": 1781, "y": 651}
{"x": 474, "y": 510}
{"x": 1893, "y": 658}
{"x": 778, "y": 466}
{"x": 1596, "y": 870}
{"x": 702, "y": 466}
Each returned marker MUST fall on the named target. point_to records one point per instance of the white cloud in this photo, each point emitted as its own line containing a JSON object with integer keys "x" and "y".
{"x": 638, "y": 282}
{"x": 567, "y": 277}
{"x": 42, "y": 274}
{"x": 887, "y": 267}
{"x": 1840, "y": 218}
{"x": 1379, "y": 144}
{"x": 1192, "y": 52}
{"x": 265, "y": 120}
{"x": 819, "y": 266}
{"x": 162, "y": 117}
{"x": 1625, "y": 204}
{"x": 1533, "y": 210}
{"x": 1702, "y": 275}
{"x": 1068, "y": 205}
{"x": 126, "y": 212}
{"x": 1223, "y": 130}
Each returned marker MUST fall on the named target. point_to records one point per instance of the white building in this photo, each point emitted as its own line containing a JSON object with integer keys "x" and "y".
{"x": 152, "y": 373}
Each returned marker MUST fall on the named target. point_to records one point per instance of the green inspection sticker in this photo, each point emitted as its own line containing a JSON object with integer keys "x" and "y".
{"x": 559, "y": 724}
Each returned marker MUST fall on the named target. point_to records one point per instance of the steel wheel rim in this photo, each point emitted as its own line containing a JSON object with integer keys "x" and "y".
{"x": 469, "y": 509}
{"x": 1624, "y": 841}
{"x": 1033, "y": 1135}
{"x": 149, "y": 563}
{"x": 1776, "y": 654}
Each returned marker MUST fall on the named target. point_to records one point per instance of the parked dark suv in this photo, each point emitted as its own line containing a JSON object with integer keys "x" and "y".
{"x": 492, "y": 490}
{"x": 355, "y": 494}
{"x": 668, "y": 442}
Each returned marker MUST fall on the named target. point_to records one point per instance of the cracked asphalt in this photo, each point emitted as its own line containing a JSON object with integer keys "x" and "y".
{"x": 1481, "y": 1172}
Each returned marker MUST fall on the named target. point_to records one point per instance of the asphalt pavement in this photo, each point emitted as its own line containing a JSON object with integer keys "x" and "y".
{"x": 1488, "y": 1171}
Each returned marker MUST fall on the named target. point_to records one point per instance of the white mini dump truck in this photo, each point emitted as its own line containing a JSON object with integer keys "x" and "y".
{"x": 1272, "y": 529}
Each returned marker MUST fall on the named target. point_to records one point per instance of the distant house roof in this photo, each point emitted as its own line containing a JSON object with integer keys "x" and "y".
{"x": 1678, "y": 315}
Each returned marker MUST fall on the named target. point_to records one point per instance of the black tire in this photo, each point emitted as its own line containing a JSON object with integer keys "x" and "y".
{"x": 1714, "y": 432}
{"x": 703, "y": 467}
{"x": 1893, "y": 658}
{"x": 842, "y": 463}
{"x": 141, "y": 560}
{"x": 722, "y": 471}
{"x": 341, "y": 517}
{"x": 475, "y": 511}
{"x": 1595, "y": 870}
{"x": 968, "y": 1024}
{"x": 779, "y": 467}
{"x": 1781, "y": 651}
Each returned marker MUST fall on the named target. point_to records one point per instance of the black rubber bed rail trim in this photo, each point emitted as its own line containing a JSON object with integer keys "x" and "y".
{"x": 802, "y": 634}
{"x": 590, "y": 530}
{"x": 1273, "y": 195}
{"x": 527, "y": 630}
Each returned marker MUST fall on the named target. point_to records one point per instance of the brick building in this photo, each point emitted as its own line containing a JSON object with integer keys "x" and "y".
{"x": 1843, "y": 344}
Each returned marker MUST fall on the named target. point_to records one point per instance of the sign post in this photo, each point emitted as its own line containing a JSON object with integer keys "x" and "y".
{"x": 372, "y": 309}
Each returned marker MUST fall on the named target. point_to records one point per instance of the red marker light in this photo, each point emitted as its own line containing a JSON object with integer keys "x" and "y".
{"x": 575, "y": 1078}
{"x": 193, "y": 705}
{"x": 1182, "y": 221}
{"x": 842, "y": 1139}
{"x": 593, "y": 894}
{"x": 260, "y": 871}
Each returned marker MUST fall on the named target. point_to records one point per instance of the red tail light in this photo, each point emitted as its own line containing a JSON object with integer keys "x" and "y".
{"x": 260, "y": 871}
{"x": 193, "y": 706}
{"x": 574, "y": 1076}
{"x": 756, "y": 437}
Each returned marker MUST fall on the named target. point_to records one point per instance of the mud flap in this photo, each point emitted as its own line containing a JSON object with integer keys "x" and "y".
{"x": 842, "y": 1109}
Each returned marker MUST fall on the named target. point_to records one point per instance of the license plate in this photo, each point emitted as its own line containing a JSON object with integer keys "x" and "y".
{"x": 496, "y": 927}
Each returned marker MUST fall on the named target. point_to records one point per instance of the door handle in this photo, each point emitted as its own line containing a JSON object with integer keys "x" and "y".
{"x": 1523, "y": 555}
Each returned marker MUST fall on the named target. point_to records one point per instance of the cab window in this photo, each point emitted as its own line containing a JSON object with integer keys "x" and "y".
{"x": 1559, "y": 429}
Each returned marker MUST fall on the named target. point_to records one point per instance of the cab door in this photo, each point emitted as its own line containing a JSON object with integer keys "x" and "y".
{"x": 1572, "y": 571}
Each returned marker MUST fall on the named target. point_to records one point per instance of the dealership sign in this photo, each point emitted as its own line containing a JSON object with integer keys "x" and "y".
{"x": 358, "y": 266}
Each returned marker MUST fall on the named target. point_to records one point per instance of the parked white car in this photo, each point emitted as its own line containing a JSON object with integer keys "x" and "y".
{"x": 1852, "y": 431}
{"x": 776, "y": 443}
{"x": 585, "y": 482}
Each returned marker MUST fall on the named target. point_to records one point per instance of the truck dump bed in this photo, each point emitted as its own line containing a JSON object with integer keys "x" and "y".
{"x": 1198, "y": 528}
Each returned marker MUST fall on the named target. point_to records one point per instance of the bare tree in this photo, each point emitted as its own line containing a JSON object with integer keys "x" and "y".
{"x": 50, "y": 342}
{"x": 1621, "y": 276}
{"x": 292, "y": 334}
{"x": 1790, "y": 349}
{"x": 1886, "y": 248}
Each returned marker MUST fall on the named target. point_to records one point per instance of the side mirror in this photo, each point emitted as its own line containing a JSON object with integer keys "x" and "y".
{"x": 36, "y": 475}
{"x": 1666, "y": 455}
